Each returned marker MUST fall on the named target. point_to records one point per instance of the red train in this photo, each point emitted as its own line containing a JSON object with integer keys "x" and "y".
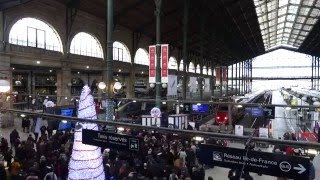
{"x": 221, "y": 114}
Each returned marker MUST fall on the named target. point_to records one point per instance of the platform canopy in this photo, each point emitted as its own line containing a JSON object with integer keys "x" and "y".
{"x": 235, "y": 30}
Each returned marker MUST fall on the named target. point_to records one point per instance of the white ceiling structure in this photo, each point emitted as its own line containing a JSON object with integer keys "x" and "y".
{"x": 286, "y": 23}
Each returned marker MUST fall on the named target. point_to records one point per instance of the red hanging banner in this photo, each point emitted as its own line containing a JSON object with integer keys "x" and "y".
{"x": 152, "y": 65}
{"x": 164, "y": 63}
{"x": 224, "y": 75}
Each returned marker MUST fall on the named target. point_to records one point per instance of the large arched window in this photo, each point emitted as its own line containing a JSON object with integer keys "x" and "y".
{"x": 121, "y": 52}
{"x": 172, "y": 63}
{"x": 181, "y": 65}
{"x": 86, "y": 45}
{"x": 34, "y": 33}
{"x": 191, "y": 67}
{"x": 204, "y": 70}
{"x": 209, "y": 72}
{"x": 141, "y": 57}
{"x": 198, "y": 70}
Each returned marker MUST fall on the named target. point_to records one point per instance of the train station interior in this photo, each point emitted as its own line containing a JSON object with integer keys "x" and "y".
{"x": 159, "y": 89}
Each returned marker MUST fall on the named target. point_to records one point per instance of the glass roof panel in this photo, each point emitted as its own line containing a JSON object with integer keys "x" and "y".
{"x": 308, "y": 3}
{"x": 286, "y": 22}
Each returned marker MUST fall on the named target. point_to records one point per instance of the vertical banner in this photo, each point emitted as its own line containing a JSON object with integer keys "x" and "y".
{"x": 224, "y": 75}
{"x": 164, "y": 63}
{"x": 152, "y": 65}
{"x": 217, "y": 69}
{"x": 172, "y": 89}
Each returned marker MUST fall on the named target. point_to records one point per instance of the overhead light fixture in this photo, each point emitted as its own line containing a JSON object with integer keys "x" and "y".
{"x": 50, "y": 70}
{"x": 117, "y": 85}
{"x": 134, "y": 101}
{"x": 198, "y": 104}
{"x": 13, "y": 68}
{"x": 119, "y": 70}
{"x": 78, "y": 72}
{"x": 87, "y": 67}
{"x": 38, "y": 62}
{"x": 141, "y": 72}
{"x": 102, "y": 85}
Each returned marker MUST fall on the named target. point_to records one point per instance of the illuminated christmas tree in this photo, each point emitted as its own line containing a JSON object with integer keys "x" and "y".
{"x": 86, "y": 160}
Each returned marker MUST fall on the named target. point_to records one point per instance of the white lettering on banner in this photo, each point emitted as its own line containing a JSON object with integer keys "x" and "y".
{"x": 102, "y": 136}
{"x": 238, "y": 160}
{"x": 123, "y": 140}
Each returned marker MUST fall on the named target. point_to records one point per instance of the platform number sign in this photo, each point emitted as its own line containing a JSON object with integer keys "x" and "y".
{"x": 134, "y": 144}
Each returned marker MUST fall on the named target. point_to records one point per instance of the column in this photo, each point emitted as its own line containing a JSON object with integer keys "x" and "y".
{"x": 312, "y": 65}
{"x": 202, "y": 30}
{"x": 2, "y": 33}
{"x": 232, "y": 79}
{"x": 158, "y": 52}
{"x": 236, "y": 89}
{"x": 227, "y": 85}
{"x": 184, "y": 47}
{"x": 109, "y": 67}
{"x": 242, "y": 77}
{"x": 318, "y": 72}
{"x": 213, "y": 81}
{"x": 221, "y": 80}
{"x": 251, "y": 75}
{"x": 63, "y": 85}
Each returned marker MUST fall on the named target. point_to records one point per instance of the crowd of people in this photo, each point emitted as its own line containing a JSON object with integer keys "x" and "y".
{"x": 163, "y": 156}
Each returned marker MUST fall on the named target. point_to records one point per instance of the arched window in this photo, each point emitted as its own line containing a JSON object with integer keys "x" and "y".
{"x": 191, "y": 67}
{"x": 181, "y": 65}
{"x": 121, "y": 52}
{"x": 204, "y": 70}
{"x": 141, "y": 57}
{"x": 198, "y": 69}
{"x": 209, "y": 71}
{"x": 34, "y": 33}
{"x": 172, "y": 63}
{"x": 86, "y": 45}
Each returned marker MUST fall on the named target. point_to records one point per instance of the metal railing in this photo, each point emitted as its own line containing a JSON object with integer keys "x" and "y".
{"x": 176, "y": 131}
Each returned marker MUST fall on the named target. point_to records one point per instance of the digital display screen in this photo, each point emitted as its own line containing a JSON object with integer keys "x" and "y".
{"x": 257, "y": 112}
{"x": 203, "y": 108}
{"x": 67, "y": 112}
{"x": 63, "y": 125}
{"x": 254, "y": 111}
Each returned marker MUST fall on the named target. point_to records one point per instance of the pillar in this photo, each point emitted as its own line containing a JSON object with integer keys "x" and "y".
{"x": 312, "y": 66}
{"x": 184, "y": 47}
{"x": 251, "y": 75}
{"x": 232, "y": 79}
{"x": 63, "y": 82}
{"x": 2, "y": 32}
{"x": 242, "y": 80}
{"x": 109, "y": 67}
{"x": 212, "y": 81}
{"x": 227, "y": 83}
{"x": 158, "y": 52}
{"x": 318, "y": 72}
{"x": 221, "y": 81}
{"x": 236, "y": 78}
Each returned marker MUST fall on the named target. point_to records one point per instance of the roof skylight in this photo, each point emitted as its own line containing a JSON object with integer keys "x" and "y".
{"x": 286, "y": 22}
